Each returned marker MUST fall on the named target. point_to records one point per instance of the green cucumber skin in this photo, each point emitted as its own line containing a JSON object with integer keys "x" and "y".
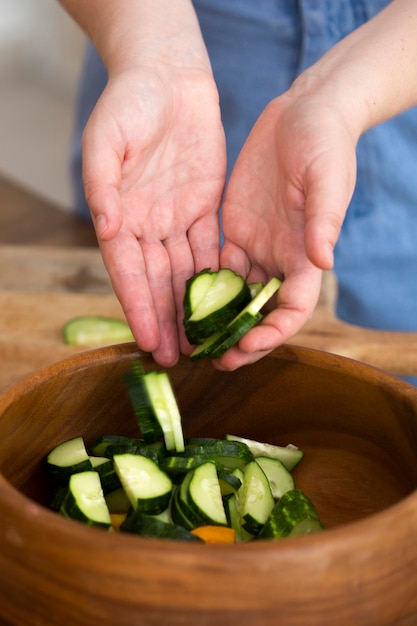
{"x": 99, "y": 446}
{"x": 238, "y": 328}
{"x": 147, "y": 526}
{"x": 292, "y": 509}
{"x": 149, "y": 426}
{"x": 108, "y": 476}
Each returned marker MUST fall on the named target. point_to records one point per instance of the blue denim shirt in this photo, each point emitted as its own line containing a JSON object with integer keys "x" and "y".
{"x": 257, "y": 49}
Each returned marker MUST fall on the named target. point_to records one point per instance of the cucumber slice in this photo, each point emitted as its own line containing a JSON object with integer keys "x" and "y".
{"x": 256, "y": 500}
{"x": 204, "y": 494}
{"x": 255, "y": 288}
{"x": 216, "y": 345}
{"x": 280, "y": 479}
{"x": 229, "y": 483}
{"x": 242, "y": 324}
{"x": 155, "y": 406}
{"x": 180, "y": 465}
{"x": 108, "y": 476}
{"x": 147, "y": 526}
{"x": 289, "y": 455}
{"x": 225, "y": 454}
{"x": 85, "y": 500}
{"x": 196, "y": 288}
{"x": 147, "y": 486}
{"x": 95, "y": 329}
{"x": 226, "y": 296}
{"x": 293, "y": 515}
{"x": 67, "y": 458}
{"x": 180, "y": 511}
{"x": 173, "y": 411}
{"x": 209, "y": 345}
{"x": 100, "y": 446}
{"x": 142, "y": 404}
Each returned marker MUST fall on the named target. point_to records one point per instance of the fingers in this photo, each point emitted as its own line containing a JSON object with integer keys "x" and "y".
{"x": 141, "y": 278}
{"x": 327, "y": 198}
{"x": 101, "y": 178}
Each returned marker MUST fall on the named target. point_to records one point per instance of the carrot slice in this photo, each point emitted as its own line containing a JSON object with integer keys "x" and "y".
{"x": 215, "y": 534}
{"x": 117, "y": 520}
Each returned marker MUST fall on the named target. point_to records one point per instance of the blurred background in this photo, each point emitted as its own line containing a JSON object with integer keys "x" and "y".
{"x": 41, "y": 51}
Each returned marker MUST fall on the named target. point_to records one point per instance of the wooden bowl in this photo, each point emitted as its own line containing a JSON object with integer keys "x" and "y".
{"x": 358, "y": 428}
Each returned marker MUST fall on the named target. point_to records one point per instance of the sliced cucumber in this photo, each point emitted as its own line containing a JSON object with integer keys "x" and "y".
{"x": 205, "y": 496}
{"x": 255, "y": 288}
{"x": 289, "y": 455}
{"x": 180, "y": 465}
{"x": 229, "y": 482}
{"x": 147, "y": 486}
{"x": 142, "y": 404}
{"x": 230, "y": 334}
{"x": 256, "y": 501}
{"x": 293, "y": 515}
{"x": 147, "y": 526}
{"x": 108, "y": 475}
{"x": 67, "y": 458}
{"x": 180, "y": 511}
{"x": 209, "y": 345}
{"x": 225, "y": 297}
{"x": 225, "y": 454}
{"x": 94, "y": 329}
{"x": 279, "y": 477}
{"x": 241, "y": 325}
{"x": 85, "y": 500}
{"x": 99, "y": 446}
{"x": 196, "y": 288}
{"x": 155, "y": 406}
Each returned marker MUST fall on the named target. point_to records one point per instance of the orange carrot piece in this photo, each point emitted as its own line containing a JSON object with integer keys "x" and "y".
{"x": 117, "y": 520}
{"x": 215, "y": 534}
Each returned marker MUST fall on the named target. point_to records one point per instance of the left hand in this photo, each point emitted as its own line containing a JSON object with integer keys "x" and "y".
{"x": 283, "y": 210}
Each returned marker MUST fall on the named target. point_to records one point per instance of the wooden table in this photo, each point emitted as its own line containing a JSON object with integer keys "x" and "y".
{"x": 28, "y": 219}
{"x": 51, "y": 270}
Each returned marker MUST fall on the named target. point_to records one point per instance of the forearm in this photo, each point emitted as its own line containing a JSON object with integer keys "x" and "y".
{"x": 131, "y": 32}
{"x": 372, "y": 73}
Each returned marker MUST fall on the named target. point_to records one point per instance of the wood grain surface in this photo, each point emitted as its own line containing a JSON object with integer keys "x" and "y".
{"x": 41, "y": 287}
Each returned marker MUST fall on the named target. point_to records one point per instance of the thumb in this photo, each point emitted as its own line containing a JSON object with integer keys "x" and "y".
{"x": 326, "y": 203}
{"x": 101, "y": 178}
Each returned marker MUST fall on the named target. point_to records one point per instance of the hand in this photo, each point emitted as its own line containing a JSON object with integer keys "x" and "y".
{"x": 154, "y": 170}
{"x": 283, "y": 211}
